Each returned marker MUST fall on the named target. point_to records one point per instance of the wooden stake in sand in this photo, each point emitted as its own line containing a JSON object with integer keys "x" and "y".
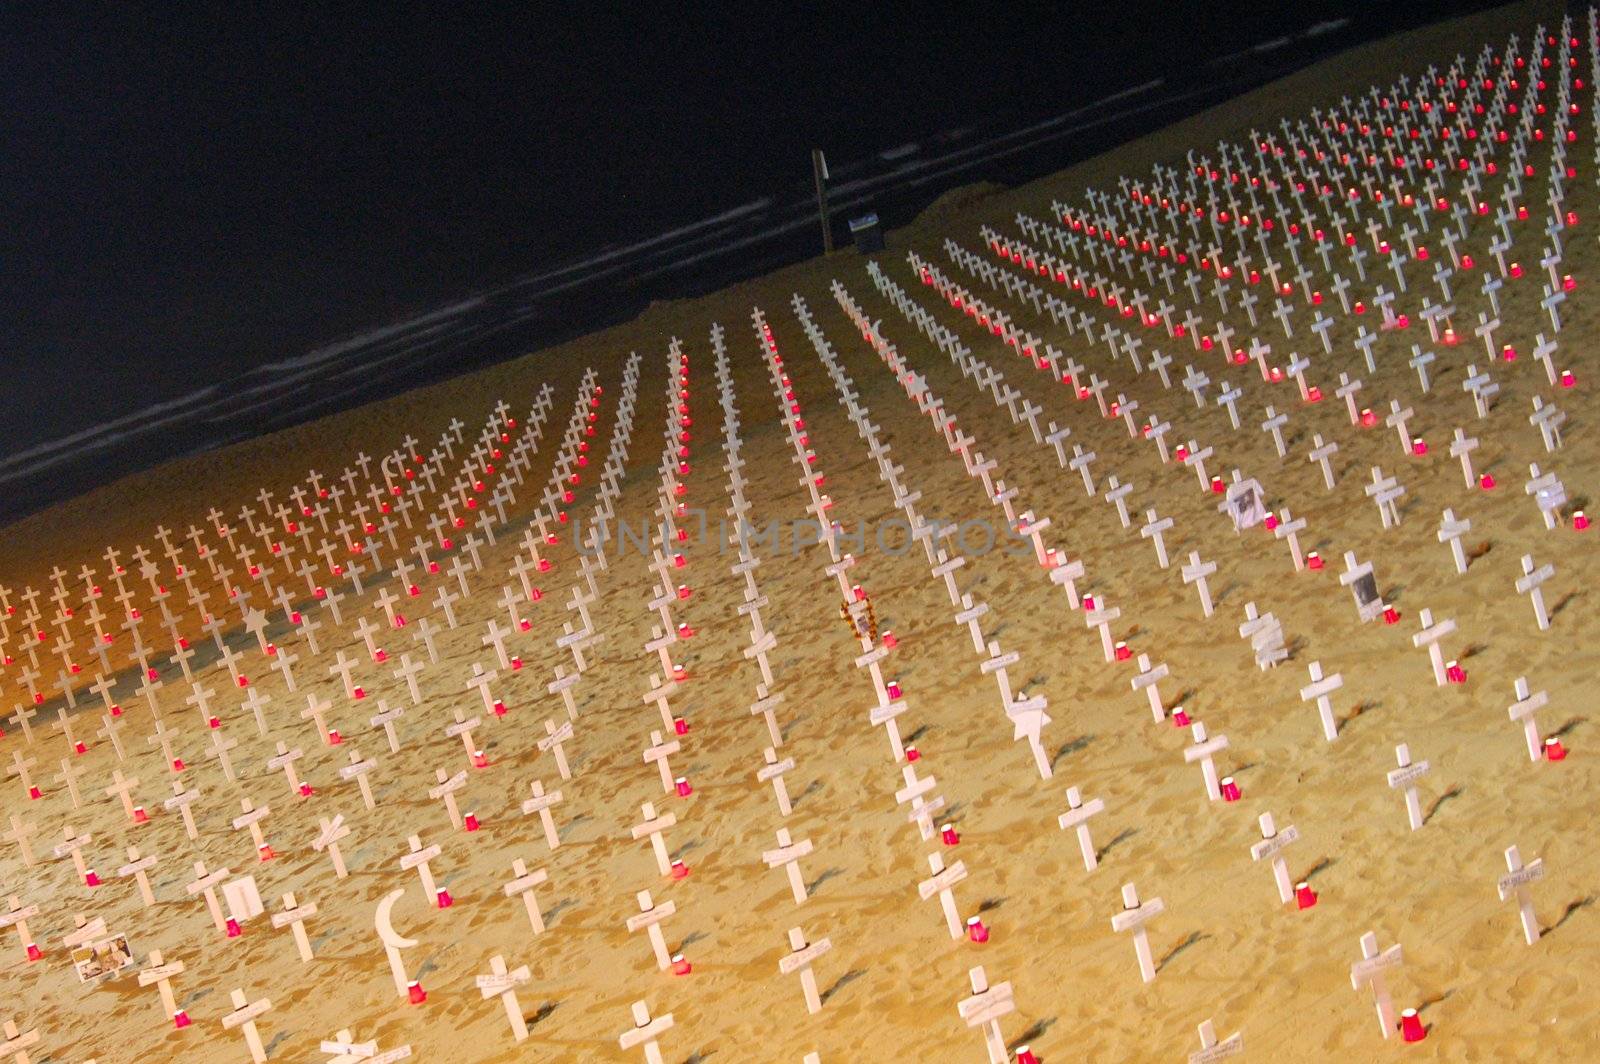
{"x": 1077, "y": 817}
{"x": 1133, "y": 917}
{"x": 645, "y": 1031}
{"x": 1515, "y": 884}
{"x": 984, "y": 1009}
{"x": 503, "y": 984}
{"x": 244, "y": 1016}
{"x": 799, "y": 960}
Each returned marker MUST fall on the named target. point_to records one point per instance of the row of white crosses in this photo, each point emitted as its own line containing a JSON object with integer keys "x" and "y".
{"x": 1550, "y": 498}
{"x": 295, "y": 913}
{"x": 1315, "y": 693}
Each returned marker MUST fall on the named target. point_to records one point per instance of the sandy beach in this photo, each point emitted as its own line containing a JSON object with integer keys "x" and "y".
{"x": 1225, "y": 948}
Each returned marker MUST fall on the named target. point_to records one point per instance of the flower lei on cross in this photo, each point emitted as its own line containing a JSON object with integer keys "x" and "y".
{"x": 849, "y": 617}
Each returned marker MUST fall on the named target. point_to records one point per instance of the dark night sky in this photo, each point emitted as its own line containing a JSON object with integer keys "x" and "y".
{"x": 190, "y": 195}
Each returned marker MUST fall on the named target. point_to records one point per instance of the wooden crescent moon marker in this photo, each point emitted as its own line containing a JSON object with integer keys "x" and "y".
{"x": 385, "y": 926}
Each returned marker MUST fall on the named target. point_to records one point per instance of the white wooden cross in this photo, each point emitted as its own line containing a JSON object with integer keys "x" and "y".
{"x": 1077, "y": 817}
{"x": 773, "y": 771}
{"x": 73, "y": 847}
{"x": 15, "y": 1043}
{"x": 1429, "y": 637}
{"x": 649, "y": 918}
{"x": 799, "y": 959}
{"x": 344, "y": 1049}
{"x": 940, "y": 883}
{"x": 1147, "y": 679}
{"x": 251, "y": 819}
{"x": 359, "y": 770}
{"x": 328, "y": 836}
{"x": 463, "y": 728}
{"x": 1203, "y": 751}
{"x": 1529, "y": 584}
{"x": 1212, "y": 1050}
{"x": 1195, "y": 573}
{"x": 645, "y": 1031}
{"x": 19, "y": 834}
{"x": 503, "y": 984}
{"x": 160, "y": 973}
{"x": 540, "y": 803}
{"x": 1385, "y": 491}
{"x": 1133, "y": 917}
{"x": 651, "y": 828}
{"x": 419, "y": 857}
{"x": 294, "y": 917}
{"x": 523, "y": 885}
{"x": 1524, "y": 710}
{"x": 180, "y": 801}
{"x": 921, "y": 811}
{"x": 1548, "y": 420}
{"x": 1406, "y": 776}
{"x": 1320, "y": 688}
{"x": 1322, "y": 453}
{"x": 1371, "y": 970}
{"x": 244, "y": 1017}
{"x": 554, "y": 737}
{"x": 446, "y": 790}
{"x": 1152, "y": 530}
{"x": 121, "y": 788}
{"x": 984, "y": 1009}
{"x": 385, "y": 718}
{"x": 137, "y": 867}
{"x": 1515, "y": 884}
{"x": 1273, "y": 843}
{"x": 1451, "y": 529}
{"x": 787, "y": 856}
{"x": 658, "y": 752}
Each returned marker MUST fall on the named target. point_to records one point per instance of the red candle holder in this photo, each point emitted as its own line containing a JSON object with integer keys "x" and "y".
{"x": 91, "y": 878}
{"x": 1553, "y": 750}
{"x": 380, "y": 655}
{"x": 415, "y": 994}
{"x": 1419, "y": 446}
{"x": 232, "y": 927}
{"x": 1304, "y": 896}
{"x": 499, "y": 708}
{"x": 140, "y": 816}
{"x": 976, "y": 932}
{"x": 265, "y": 852}
{"x": 1122, "y": 652}
{"x": 34, "y": 793}
{"x": 306, "y": 791}
{"x": 213, "y": 722}
{"x": 1271, "y": 522}
{"x": 913, "y": 754}
{"x": 679, "y": 870}
{"x": 683, "y": 787}
{"x": 34, "y": 952}
{"x": 358, "y": 692}
{"x": 1455, "y": 673}
{"x": 1180, "y": 718}
{"x": 1025, "y": 1056}
{"x": 1088, "y": 603}
{"x": 480, "y": 759}
{"x": 180, "y": 1019}
{"x": 334, "y": 738}
{"x": 1411, "y": 1028}
{"x": 949, "y": 835}
{"x": 1218, "y": 487}
{"x": 80, "y": 748}
{"x": 1230, "y": 789}
{"x": 1368, "y": 418}
{"x": 889, "y": 639}
{"x": 893, "y": 688}
{"x": 1391, "y": 615}
{"x": 470, "y": 821}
